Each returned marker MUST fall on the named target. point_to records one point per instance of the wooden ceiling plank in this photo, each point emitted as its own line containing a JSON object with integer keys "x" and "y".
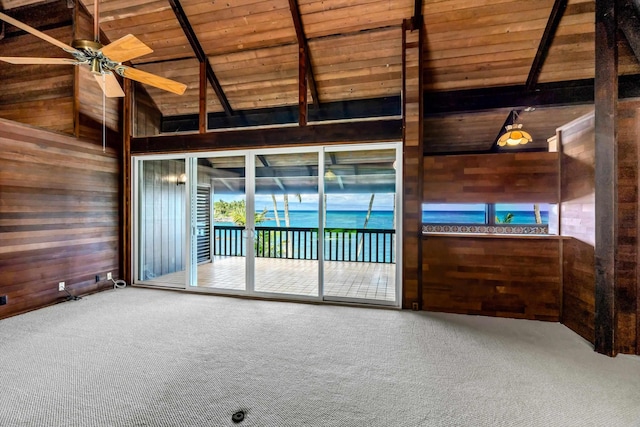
{"x": 559, "y": 6}
{"x": 199, "y": 52}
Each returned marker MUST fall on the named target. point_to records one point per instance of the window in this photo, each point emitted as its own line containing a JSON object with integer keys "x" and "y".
{"x": 499, "y": 218}
{"x": 454, "y": 213}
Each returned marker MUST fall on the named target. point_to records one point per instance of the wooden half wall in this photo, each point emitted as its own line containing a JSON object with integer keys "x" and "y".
{"x": 493, "y": 275}
{"x": 577, "y": 225}
{"x": 59, "y": 217}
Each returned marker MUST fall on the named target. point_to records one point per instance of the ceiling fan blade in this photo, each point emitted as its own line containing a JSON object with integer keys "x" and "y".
{"x": 36, "y": 33}
{"x": 109, "y": 85}
{"x": 125, "y": 48}
{"x": 152, "y": 80}
{"x": 29, "y": 60}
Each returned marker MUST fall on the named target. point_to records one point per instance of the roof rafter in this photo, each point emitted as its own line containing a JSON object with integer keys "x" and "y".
{"x": 559, "y": 6}
{"x": 302, "y": 44}
{"x": 629, "y": 23}
{"x": 200, "y": 54}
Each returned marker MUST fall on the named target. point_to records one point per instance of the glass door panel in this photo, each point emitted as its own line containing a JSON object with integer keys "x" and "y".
{"x": 220, "y": 223}
{"x": 360, "y": 217}
{"x": 162, "y": 223}
{"x": 286, "y": 223}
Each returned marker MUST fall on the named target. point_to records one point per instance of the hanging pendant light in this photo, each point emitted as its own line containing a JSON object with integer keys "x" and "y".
{"x": 514, "y": 134}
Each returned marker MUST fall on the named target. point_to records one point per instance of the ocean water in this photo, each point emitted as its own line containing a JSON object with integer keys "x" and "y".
{"x": 384, "y": 219}
{"x": 342, "y": 219}
{"x": 470, "y": 217}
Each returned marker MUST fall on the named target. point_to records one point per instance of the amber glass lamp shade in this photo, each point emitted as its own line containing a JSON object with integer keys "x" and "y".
{"x": 514, "y": 136}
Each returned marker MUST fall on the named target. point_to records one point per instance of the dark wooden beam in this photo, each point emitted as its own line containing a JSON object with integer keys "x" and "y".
{"x": 302, "y": 86}
{"x": 302, "y": 44}
{"x": 508, "y": 121}
{"x": 574, "y": 92}
{"x": 200, "y": 54}
{"x": 339, "y": 110}
{"x": 559, "y": 6}
{"x": 606, "y": 172}
{"x": 202, "y": 100}
{"x": 417, "y": 19}
{"x": 364, "y": 131}
{"x": 629, "y": 23}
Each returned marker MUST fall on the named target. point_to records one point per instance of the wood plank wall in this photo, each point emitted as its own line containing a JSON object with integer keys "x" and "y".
{"x": 506, "y": 276}
{"x": 39, "y": 95}
{"x": 627, "y": 295}
{"x": 412, "y": 167}
{"x": 491, "y": 178}
{"x": 492, "y": 276}
{"x": 162, "y": 218}
{"x": 147, "y": 118}
{"x": 577, "y": 225}
{"x": 58, "y": 216}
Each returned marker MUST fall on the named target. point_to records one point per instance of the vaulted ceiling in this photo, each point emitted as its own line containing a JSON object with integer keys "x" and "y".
{"x": 482, "y": 59}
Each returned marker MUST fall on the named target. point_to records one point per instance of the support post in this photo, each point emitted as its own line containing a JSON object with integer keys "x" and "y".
{"x": 126, "y": 267}
{"x": 606, "y": 170}
{"x": 412, "y": 119}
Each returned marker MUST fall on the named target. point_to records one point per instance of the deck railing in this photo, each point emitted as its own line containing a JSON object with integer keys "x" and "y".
{"x": 340, "y": 244}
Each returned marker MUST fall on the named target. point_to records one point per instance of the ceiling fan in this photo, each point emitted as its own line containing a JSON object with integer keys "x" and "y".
{"x": 103, "y": 61}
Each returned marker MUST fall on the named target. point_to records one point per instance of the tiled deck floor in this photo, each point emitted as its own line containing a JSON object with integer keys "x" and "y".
{"x": 296, "y": 277}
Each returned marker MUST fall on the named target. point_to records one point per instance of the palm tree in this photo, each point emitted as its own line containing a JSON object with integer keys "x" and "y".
{"x": 536, "y": 212}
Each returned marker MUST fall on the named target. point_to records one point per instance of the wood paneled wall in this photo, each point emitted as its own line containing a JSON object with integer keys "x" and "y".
{"x": 492, "y": 276}
{"x": 507, "y": 276}
{"x": 627, "y": 293}
{"x": 58, "y": 216}
{"x": 38, "y": 95}
{"x": 412, "y": 165}
{"x": 162, "y": 218}
{"x": 491, "y": 178}
{"x": 577, "y": 224}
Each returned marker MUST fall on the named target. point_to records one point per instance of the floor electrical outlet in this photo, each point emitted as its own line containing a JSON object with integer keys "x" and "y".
{"x": 3, "y": 300}
{"x": 109, "y": 277}
{"x": 61, "y": 286}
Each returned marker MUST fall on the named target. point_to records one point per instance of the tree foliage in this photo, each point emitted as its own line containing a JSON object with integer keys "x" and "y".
{"x": 236, "y": 212}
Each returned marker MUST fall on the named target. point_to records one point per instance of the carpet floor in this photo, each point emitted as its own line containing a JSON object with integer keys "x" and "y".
{"x": 143, "y": 357}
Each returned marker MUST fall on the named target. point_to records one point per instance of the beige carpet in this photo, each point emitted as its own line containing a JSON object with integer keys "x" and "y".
{"x": 142, "y": 357}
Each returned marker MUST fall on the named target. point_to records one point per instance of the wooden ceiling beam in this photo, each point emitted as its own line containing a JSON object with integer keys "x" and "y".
{"x": 346, "y": 132}
{"x": 508, "y": 121}
{"x": 574, "y": 92}
{"x": 417, "y": 19}
{"x": 302, "y": 44}
{"x": 629, "y": 23}
{"x": 559, "y": 6}
{"x": 181, "y": 16}
{"x": 339, "y": 110}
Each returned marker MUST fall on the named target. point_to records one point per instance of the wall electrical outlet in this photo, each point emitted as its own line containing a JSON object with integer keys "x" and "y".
{"x": 109, "y": 276}
{"x": 61, "y": 286}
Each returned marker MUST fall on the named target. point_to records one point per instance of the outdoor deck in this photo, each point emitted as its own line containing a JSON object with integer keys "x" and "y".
{"x": 375, "y": 281}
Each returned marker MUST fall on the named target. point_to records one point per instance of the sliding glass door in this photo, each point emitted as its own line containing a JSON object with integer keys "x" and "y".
{"x": 315, "y": 223}
{"x": 162, "y": 231}
{"x": 220, "y": 223}
{"x": 286, "y": 223}
{"x": 361, "y": 213}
